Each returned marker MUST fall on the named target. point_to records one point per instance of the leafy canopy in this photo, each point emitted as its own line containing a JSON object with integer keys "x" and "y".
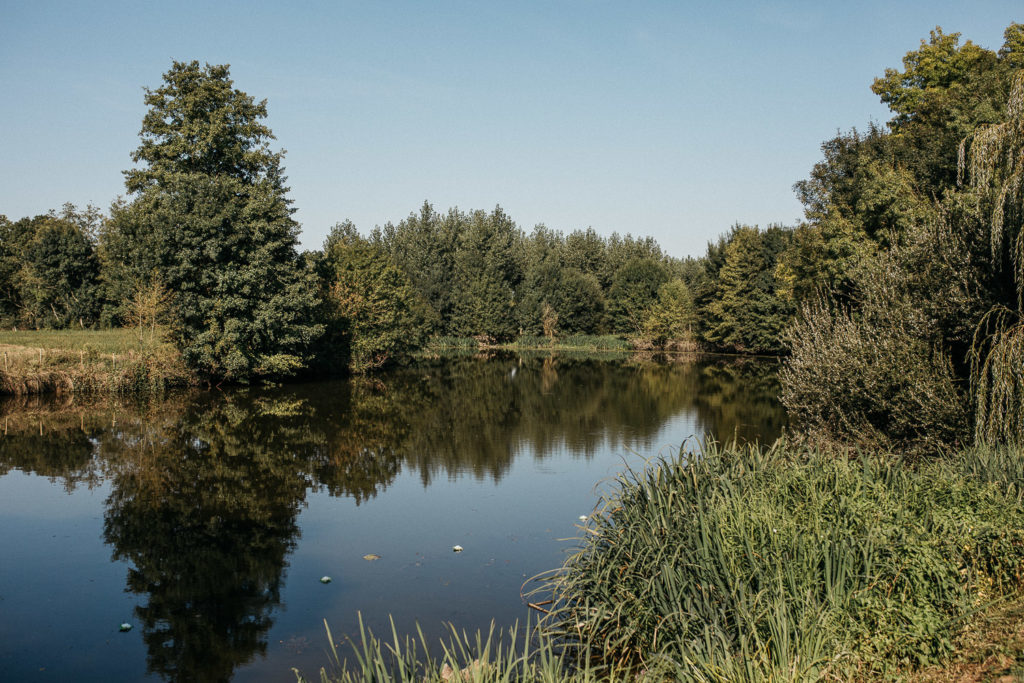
{"x": 212, "y": 223}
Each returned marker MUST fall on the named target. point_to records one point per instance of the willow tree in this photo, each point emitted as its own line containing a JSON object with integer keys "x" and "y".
{"x": 993, "y": 161}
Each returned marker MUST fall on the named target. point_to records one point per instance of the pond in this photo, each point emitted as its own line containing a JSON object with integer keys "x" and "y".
{"x": 206, "y": 520}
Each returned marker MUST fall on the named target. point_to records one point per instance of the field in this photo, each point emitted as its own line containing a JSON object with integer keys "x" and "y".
{"x": 87, "y": 361}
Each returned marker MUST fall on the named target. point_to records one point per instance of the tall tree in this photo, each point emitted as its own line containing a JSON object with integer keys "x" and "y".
{"x": 487, "y": 275}
{"x": 944, "y": 92}
{"x": 372, "y": 300}
{"x": 49, "y": 271}
{"x": 634, "y": 288}
{"x": 423, "y": 246}
{"x": 749, "y": 314}
{"x": 211, "y": 220}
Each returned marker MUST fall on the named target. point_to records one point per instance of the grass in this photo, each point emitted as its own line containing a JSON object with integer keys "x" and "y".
{"x": 87, "y": 361}
{"x": 118, "y": 341}
{"x": 576, "y": 342}
{"x": 500, "y": 656}
{"x": 772, "y": 564}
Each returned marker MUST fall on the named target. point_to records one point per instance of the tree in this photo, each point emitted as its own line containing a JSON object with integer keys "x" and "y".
{"x": 634, "y": 288}
{"x": 554, "y": 288}
{"x": 944, "y": 92}
{"x": 995, "y": 166}
{"x": 487, "y": 276}
{"x": 211, "y": 219}
{"x": 423, "y": 246}
{"x": 49, "y": 272}
{"x": 749, "y": 314}
{"x": 672, "y": 316}
{"x": 372, "y": 299}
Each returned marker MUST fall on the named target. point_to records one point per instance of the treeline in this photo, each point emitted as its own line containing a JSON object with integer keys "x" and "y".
{"x": 910, "y": 269}
{"x": 205, "y": 245}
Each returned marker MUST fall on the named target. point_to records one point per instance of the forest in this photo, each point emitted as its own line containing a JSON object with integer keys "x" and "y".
{"x": 204, "y": 244}
{"x": 898, "y": 299}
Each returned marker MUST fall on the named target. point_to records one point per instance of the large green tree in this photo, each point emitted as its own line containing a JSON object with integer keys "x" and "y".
{"x": 49, "y": 271}
{"x": 371, "y": 300}
{"x": 943, "y": 93}
{"x": 211, "y": 221}
{"x": 487, "y": 275}
{"x": 749, "y": 313}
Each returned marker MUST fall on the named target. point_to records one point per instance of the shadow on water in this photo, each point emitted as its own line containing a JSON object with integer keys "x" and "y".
{"x": 205, "y": 489}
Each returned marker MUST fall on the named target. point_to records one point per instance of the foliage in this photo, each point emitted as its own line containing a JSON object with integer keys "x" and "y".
{"x": 480, "y": 275}
{"x": 944, "y": 92}
{"x": 49, "y": 271}
{"x": 423, "y": 246}
{"x": 788, "y": 564}
{"x": 634, "y": 288}
{"x": 672, "y": 316}
{"x": 916, "y": 291}
{"x": 748, "y": 313}
{"x": 371, "y": 299}
{"x": 996, "y": 166}
{"x": 500, "y": 656}
{"x": 871, "y": 382}
{"x": 210, "y": 219}
{"x": 486, "y": 274}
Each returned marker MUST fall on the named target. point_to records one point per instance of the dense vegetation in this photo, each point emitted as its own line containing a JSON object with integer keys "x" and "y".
{"x": 859, "y": 547}
{"x": 867, "y": 544}
{"x": 918, "y": 217}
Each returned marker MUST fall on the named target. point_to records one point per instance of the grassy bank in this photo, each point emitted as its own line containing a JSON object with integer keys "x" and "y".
{"x": 576, "y": 342}
{"x": 87, "y": 361}
{"x": 780, "y": 563}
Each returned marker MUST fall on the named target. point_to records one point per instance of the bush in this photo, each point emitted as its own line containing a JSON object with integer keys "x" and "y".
{"x": 871, "y": 382}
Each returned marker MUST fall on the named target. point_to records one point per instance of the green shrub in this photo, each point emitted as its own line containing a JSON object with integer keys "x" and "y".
{"x": 871, "y": 381}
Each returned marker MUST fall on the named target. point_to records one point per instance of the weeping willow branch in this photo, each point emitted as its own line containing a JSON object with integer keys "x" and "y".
{"x": 994, "y": 159}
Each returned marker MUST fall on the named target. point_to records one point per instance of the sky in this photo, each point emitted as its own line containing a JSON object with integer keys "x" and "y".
{"x": 669, "y": 119}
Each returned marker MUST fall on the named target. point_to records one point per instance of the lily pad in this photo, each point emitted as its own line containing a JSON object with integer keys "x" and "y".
{"x": 371, "y": 557}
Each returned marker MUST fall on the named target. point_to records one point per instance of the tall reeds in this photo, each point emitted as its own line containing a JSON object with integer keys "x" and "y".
{"x": 25, "y": 370}
{"x": 499, "y": 656}
{"x": 772, "y": 564}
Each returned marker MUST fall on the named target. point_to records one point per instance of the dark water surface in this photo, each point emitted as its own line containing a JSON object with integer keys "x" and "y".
{"x": 206, "y": 520}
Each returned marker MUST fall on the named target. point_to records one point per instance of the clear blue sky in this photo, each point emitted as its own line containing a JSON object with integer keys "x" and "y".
{"x": 671, "y": 119}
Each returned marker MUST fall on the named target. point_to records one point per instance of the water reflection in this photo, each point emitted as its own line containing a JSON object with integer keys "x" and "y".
{"x": 206, "y": 488}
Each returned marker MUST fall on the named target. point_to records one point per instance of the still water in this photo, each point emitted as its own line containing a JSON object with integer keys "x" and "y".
{"x": 206, "y": 520}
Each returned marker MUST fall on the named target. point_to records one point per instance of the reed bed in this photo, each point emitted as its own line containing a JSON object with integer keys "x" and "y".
{"x": 575, "y": 342}
{"x": 87, "y": 362}
{"x": 499, "y": 656}
{"x": 743, "y": 563}
{"x": 748, "y": 563}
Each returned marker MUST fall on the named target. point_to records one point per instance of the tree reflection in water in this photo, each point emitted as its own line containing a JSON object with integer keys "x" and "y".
{"x": 206, "y": 488}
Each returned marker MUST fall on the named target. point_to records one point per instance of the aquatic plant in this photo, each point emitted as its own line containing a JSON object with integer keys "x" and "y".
{"x": 747, "y": 563}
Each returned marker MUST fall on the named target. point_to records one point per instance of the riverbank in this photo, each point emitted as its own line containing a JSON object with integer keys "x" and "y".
{"x": 785, "y": 563}
{"x": 127, "y": 360}
{"x": 88, "y": 361}
{"x": 576, "y": 342}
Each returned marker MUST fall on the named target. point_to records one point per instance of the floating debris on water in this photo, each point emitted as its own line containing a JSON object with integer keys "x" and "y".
{"x": 126, "y": 627}
{"x": 325, "y": 579}
{"x": 371, "y": 557}
{"x": 457, "y": 548}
